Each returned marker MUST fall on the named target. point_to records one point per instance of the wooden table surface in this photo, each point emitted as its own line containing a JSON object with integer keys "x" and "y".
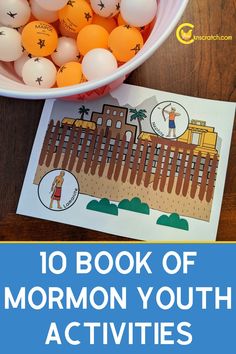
{"x": 203, "y": 69}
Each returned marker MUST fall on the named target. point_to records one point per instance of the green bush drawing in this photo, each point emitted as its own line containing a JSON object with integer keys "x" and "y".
{"x": 134, "y": 205}
{"x": 103, "y": 206}
{"x": 174, "y": 221}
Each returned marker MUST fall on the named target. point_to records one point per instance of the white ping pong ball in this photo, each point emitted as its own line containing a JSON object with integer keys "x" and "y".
{"x": 42, "y": 14}
{"x": 138, "y": 13}
{"x": 105, "y": 8}
{"x": 52, "y": 5}
{"x": 66, "y": 51}
{"x": 14, "y": 13}
{"x": 98, "y": 63}
{"x": 10, "y": 44}
{"x": 39, "y": 72}
{"x": 19, "y": 63}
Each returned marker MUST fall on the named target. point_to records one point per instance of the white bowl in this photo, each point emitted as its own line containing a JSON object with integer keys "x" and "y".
{"x": 169, "y": 13}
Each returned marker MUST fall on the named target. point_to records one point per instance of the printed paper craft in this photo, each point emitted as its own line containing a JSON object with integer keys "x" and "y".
{"x": 138, "y": 163}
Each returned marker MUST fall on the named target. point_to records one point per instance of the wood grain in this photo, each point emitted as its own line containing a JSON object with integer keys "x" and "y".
{"x": 204, "y": 69}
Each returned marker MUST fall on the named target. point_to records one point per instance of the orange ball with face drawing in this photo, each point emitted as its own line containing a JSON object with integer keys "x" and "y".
{"x": 39, "y": 38}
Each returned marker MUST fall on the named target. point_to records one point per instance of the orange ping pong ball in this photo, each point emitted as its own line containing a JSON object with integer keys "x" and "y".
{"x": 64, "y": 32}
{"x": 39, "y": 38}
{"x": 76, "y": 15}
{"x": 70, "y": 74}
{"x": 121, "y": 21}
{"x": 109, "y": 23}
{"x": 125, "y": 42}
{"x": 91, "y": 37}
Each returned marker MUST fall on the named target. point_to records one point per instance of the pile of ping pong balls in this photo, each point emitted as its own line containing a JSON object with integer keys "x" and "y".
{"x": 57, "y": 43}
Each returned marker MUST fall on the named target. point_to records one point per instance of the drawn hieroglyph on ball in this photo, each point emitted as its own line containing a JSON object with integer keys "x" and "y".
{"x": 58, "y": 190}
{"x": 106, "y": 8}
{"x": 169, "y": 120}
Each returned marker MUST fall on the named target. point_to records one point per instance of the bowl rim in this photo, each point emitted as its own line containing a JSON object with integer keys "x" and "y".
{"x": 95, "y": 84}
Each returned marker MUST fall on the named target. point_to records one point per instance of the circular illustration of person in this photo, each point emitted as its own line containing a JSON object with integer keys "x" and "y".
{"x": 58, "y": 190}
{"x": 169, "y": 120}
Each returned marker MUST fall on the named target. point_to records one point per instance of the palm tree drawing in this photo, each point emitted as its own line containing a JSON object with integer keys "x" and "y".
{"x": 138, "y": 115}
{"x": 83, "y": 111}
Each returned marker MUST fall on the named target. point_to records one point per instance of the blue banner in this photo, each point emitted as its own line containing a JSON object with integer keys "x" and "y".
{"x": 116, "y": 298}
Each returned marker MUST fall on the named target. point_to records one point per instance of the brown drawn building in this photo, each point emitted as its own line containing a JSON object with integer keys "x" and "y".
{"x": 114, "y": 118}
